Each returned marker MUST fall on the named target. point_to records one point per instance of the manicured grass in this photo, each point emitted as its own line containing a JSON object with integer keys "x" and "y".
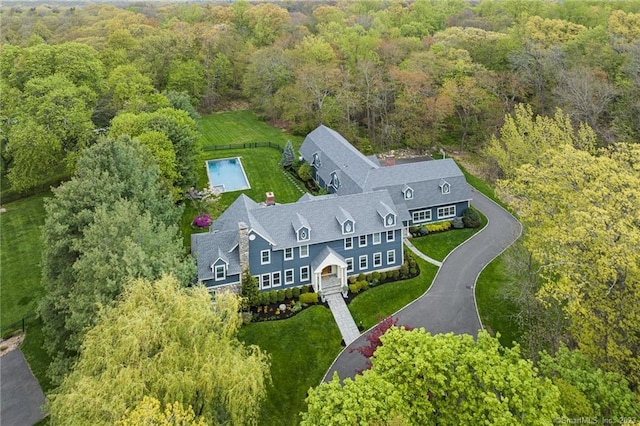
{"x": 438, "y": 246}
{"x": 382, "y": 301}
{"x": 240, "y": 127}
{"x": 495, "y": 311}
{"x": 264, "y": 173}
{"x": 21, "y": 254}
{"x": 260, "y": 164}
{"x": 302, "y": 348}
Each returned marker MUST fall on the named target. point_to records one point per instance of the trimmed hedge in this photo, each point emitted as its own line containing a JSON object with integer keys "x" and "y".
{"x": 356, "y": 287}
{"x": 309, "y": 298}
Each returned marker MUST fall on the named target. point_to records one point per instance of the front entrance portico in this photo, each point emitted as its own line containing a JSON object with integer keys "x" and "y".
{"x": 328, "y": 272}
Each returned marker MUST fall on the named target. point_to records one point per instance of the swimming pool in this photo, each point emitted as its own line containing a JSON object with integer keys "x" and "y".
{"x": 227, "y": 174}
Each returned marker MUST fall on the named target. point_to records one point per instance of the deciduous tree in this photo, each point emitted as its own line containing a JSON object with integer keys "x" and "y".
{"x": 173, "y": 344}
{"x": 421, "y": 379}
{"x": 525, "y": 137}
{"x": 583, "y": 218}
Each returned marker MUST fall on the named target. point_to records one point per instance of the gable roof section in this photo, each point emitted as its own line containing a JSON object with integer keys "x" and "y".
{"x": 337, "y": 155}
{"x": 239, "y": 211}
{"x": 211, "y": 246}
{"x": 321, "y": 216}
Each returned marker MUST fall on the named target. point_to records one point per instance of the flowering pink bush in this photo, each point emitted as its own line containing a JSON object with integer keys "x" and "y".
{"x": 202, "y": 220}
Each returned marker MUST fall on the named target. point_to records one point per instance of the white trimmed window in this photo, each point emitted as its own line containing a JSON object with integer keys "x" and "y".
{"x": 445, "y": 187}
{"x": 390, "y": 221}
{"x": 288, "y": 253}
{"x": 391, "y": 257}
{"x": 348, "y": 243}
{"x": 391, "y": 236}
{"x": 363, "y": 241}
{"x": 265, "y": 257}
{"x": 421, "y": 216}
{"x": 376, "y": 238}
{"x": 304, "y": 251}
{"x": 349, "y": 261}
{"x": 377, "y": 260}
{"x": 447, "y": 211}
{"x": 363, "y": 261}
{"x": 304, "y": 234}
{"x": 348, "y": 228}
{"x": 265, "y": 281}
{"x": 275, "y": 280}
{"x": 408, "y": 194}
{"x": 304, "y": 273}
{"x": 288, "y": 276}
{"x": 220, "y": 272}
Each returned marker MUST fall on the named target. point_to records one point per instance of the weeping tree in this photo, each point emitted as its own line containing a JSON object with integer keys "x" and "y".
{"x": 167, "y": 343}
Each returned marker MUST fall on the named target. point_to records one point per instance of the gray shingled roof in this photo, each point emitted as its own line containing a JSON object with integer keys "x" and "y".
{"x": 358, "y": 173}
{"x": 239, "y": 211}
{"x": 424, "y": 178}
{"x": 210, "y": 246}
{"x": 321, "y": 216}
{"x": 338, "y": 155}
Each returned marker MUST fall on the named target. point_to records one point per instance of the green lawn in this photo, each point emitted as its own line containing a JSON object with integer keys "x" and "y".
{"x": 260, "y": 164}
{"x": 495, "y": 311}
{"x": 438, "y": 246}
{"x": 263, "y": 172}
{"x": 382, "y": 301}
{"x": 21, "y": 253}
{"x": 240, "y": 127}
{"x": 302, "y": 348}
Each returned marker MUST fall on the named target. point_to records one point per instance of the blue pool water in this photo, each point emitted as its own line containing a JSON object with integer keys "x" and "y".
{"x": 227, "y": 174}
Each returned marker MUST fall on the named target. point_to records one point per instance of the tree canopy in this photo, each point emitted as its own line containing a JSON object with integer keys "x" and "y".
{"x": 417, "y": 378}
{"x": 112, "y": 221}
{"x": 582, "y": 213}
{"x": 167, "y": 343}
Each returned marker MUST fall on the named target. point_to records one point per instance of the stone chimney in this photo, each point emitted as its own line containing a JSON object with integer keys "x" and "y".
{"x": 270, "y": 199}
{"x": 243, "y": 246}
{"x": 390, "y": 160}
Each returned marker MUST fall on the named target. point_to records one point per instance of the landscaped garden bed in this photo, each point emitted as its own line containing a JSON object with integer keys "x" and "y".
{"x": 285, "y": 303}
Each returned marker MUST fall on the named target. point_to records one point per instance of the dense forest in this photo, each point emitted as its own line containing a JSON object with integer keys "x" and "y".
{"x": 545, "y": 94}
{"x": 386, "y": 73}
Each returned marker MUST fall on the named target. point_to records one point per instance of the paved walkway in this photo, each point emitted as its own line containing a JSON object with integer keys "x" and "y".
{"x": 343, "y": 318}
{"x": 421, "y": 254}
{"x": 20, "y": 394}
{"x": 449, "y": 305}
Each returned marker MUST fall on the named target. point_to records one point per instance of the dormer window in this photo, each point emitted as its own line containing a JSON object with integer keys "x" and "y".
{"x": 301, "y": 227}
{"x": 390, "y": 220}
{"x": 304, "y": 234}
{"x": 408, "y": 192}
{"x": 348, "y": 227}
{"x": 335, "y": 181}
{"x": 220, "y": 272}
{"x": 445, "y": 187}
{"x": 316, "y": 160}
{"x": 387, "y": 214}
{"x": 346, "y": 221}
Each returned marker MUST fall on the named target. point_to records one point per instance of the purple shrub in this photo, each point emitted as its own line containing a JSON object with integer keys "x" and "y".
{"x": 202, "y": 220}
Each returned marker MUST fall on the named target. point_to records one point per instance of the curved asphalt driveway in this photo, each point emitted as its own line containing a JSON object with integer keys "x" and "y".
{"x": 449, "y": 305}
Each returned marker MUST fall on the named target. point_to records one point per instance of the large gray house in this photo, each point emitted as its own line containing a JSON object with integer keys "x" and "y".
{"x": 322, "y": 240}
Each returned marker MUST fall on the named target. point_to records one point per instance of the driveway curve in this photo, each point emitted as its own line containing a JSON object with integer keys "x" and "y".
{"x": 449, "y": 305}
